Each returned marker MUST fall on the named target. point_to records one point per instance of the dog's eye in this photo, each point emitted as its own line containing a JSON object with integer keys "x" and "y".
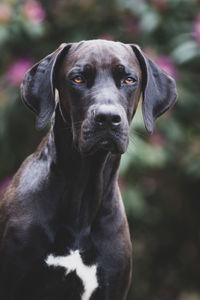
{"x": 129, "y": 80}
{"x": 78, "y": 79}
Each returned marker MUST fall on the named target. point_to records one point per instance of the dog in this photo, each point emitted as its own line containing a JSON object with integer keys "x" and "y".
{"x": 63, "y": 229}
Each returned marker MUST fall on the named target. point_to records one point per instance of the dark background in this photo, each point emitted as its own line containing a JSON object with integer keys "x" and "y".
{"x": 160, "y": 174}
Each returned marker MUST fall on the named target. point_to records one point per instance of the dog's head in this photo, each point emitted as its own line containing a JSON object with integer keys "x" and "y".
{"x": 99, "y": 84}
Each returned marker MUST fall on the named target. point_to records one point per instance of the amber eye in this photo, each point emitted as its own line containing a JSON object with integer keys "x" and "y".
{"x": 129, "y": 80}
{"x": 78, "y": 79}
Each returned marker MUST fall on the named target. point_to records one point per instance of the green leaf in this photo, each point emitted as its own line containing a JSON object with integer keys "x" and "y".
{"x": 186, "y": 51}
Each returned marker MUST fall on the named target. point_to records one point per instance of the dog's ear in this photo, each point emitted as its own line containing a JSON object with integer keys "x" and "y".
{"x": 158, "y": 88}
{"x": 38, "y": 87}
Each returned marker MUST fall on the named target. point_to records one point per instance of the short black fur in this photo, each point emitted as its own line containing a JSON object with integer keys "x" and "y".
{"x": 65, "y": 196}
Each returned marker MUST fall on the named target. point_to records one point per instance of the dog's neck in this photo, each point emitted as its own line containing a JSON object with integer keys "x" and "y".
{"x": 88, "y": 179}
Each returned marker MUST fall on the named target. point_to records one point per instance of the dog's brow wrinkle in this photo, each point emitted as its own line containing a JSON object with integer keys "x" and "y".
{"x": 87, "y": 67}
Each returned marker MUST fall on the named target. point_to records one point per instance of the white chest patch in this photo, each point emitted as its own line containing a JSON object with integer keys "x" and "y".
{"x": 73, "y": 262}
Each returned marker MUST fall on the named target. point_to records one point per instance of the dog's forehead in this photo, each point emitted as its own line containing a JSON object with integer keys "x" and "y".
{"x": 101, "y": 53}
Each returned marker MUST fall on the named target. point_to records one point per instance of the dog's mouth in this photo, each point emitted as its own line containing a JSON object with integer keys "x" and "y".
{"x": 109, "y": 145}
{"x": 110, "y": 142}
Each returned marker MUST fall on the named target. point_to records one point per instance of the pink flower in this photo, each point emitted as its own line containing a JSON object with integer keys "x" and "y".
{"x": 131, "y": 25}
{"x": 5, "y": 13}
{"x": 157, "y": 139}
{"x": 4, "y": 184}
{"x": 17, "y": 70}
{"x": 166, "y": 63}
{"x": 34, "y": 11}
{"x": 160, "y": 5}
{"x": 197, "y": 28}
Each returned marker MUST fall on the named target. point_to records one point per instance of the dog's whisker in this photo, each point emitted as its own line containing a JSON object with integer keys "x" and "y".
{"x": 139, "y": 133}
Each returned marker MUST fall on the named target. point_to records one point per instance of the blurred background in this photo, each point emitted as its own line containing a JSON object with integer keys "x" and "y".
{"x": 160, "y": 174}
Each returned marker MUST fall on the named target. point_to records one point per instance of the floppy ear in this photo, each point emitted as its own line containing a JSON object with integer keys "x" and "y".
{"x": 158, "y": 88}
{"x": 38, "y": 87}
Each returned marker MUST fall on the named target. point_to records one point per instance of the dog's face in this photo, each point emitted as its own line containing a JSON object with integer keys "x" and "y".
{"x": 99, "y": 84}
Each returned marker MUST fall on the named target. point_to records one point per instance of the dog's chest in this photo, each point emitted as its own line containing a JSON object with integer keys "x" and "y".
{"x": 69, "y": 271}
{"x": 73, "y": 263}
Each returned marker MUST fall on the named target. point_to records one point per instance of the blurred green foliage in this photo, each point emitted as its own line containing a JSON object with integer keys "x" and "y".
{"x": 160, "y": 174}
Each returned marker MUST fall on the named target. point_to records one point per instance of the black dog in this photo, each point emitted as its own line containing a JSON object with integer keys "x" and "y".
{"x": 63, "y": 229}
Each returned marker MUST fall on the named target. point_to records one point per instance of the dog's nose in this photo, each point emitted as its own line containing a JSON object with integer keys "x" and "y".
{"x": 107, "y": 116}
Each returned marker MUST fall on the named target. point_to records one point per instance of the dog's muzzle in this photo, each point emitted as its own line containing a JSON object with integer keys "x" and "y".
{"x": 106, "y": 127}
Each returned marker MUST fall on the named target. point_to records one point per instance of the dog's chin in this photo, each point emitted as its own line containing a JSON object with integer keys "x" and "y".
{"x": 112, "y": 146}
{"x": 107, "y": 145}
